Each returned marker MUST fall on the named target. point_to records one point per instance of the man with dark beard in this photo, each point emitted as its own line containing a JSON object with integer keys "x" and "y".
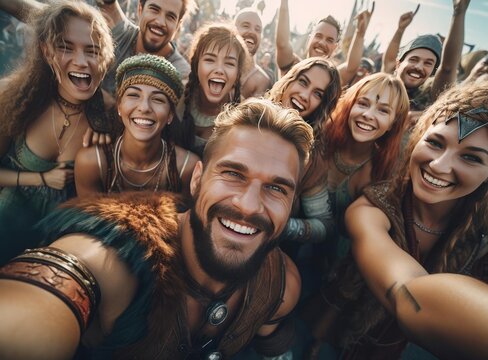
{"x": 255, "y": 82}
{"x": 128, "y": 277}
{"x": 159, "y": 21}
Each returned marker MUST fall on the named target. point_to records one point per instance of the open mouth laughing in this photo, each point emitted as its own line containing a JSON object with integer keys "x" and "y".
{"x": 81, "y": 80}
{"x": 295, "y": 104}
{"x": 216, "y": 86}
{"x": 320, "y": 51}
{"x": 238, "y": 228}
{"x": 436, "y": 182}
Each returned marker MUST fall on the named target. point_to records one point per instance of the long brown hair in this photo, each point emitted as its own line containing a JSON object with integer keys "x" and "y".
{"x": 33, "y": 84}
{"x": 470, "y": 217}
{"x": 337, "y": 132}
{"x": 212, "y": 35}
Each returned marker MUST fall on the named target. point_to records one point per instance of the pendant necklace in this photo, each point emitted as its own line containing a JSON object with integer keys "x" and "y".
{"x": 67, "y": 123}
{"x": 344, "y": 168}
{"x": 58, "y": 139}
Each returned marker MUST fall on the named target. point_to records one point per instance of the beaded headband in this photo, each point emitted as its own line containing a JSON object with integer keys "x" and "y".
{"x": 150, "y": 70}
{"x": 467, "y": 122}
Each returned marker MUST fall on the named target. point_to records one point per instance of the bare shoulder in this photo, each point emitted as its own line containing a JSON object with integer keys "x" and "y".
{"x": 292, "y": 288}
{"x": 184, "y": 155}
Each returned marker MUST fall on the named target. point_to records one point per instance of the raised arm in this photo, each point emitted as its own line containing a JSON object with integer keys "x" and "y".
{"x": 451, "y": 53}
{"x": 348, "y": 69}
{"x": 284, "y": 50}
{"x": 445, "y": 313}
{"x": 390, "y": 55}
{"x": 21, "y": 9}
{"x": 112, "y": 12}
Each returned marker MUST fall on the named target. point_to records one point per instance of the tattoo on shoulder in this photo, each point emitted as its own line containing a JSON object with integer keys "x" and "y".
{"x": 408, "y": 295}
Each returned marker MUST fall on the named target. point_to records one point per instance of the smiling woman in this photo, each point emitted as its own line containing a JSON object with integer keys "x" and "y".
{"x": 144, "y": 156}
{"x": 218, "y": 58}
{"x": 46, "y": 106}
{"x": 430, "y": 218}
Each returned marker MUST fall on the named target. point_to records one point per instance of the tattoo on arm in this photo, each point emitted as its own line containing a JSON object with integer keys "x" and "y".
{"x": 408, "y": 295}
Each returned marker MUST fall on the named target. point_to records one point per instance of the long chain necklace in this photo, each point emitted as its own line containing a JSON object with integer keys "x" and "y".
{"x": 344, "y": 168}
{"x": 58, "y": 139}
{"x": 67, "y": 123}
{"x": 426, "y": 229}
{"x": 118, "y": 164}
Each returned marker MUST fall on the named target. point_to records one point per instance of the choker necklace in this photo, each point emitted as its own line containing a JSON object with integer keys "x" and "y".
{"x": 67, "y": 123}
{"x": 426, "y": 229}
{"x": 58, "y": 138}
{"x": 344, "y": 168}
{"x": 158, "y": 169}
{"x": 61, "y": 100}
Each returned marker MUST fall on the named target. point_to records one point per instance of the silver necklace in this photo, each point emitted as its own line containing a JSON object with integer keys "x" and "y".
{"x": 152, "y": 168}
{"x": 344, "y": 168}
{"x": 426, "y": 229}
{"x": 141, "y": 186}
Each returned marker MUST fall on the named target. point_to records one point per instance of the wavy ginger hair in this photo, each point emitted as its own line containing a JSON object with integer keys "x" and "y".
{"x": 32, "y": 85}
{"x": 336, "y": 131}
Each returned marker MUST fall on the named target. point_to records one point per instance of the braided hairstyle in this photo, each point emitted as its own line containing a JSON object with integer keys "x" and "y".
{"x": 211, "y": 36}
{"x": 469, "y": 219}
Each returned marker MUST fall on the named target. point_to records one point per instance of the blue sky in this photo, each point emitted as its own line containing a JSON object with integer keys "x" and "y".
{"x": 434, "y": 16}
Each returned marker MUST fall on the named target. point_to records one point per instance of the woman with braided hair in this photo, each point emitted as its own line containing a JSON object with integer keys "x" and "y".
{"x": 47, "y": 105}
{"x": 143, "y": 157}
{"x": 218, "y": 58}
{"x": 419, "y": 243}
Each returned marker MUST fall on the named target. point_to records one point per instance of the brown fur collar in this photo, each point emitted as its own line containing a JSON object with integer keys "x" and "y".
{"x": 150, "y": 218}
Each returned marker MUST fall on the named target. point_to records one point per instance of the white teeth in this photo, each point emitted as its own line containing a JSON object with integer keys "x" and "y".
{"x": 297, "y": 104}
{"x": 143, "y": 121}
{"x": 415, "y": 75}
{"x": 364, "y": 126}
{"x": 434, "y": 181}
{"x": 320, "y": 51}
{"x": 241, "y": 229}
{"x": 79, "y": 75}
{"x": 249, "y": 41}
{"x": 156, "y": 31}
{"x": 218, "y": 81}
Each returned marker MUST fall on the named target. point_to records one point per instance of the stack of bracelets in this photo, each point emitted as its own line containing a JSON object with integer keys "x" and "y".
{"x": 61, "y": 274}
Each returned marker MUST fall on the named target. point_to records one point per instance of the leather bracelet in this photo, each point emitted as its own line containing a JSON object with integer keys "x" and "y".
{"x": 61, "y": 274}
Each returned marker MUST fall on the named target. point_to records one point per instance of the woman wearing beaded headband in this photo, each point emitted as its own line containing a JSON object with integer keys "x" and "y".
{"x": 46, "y": 106}
{"x": 430, "y": 219}
{"x": 143, "y": 158}
{"x": 218, "y": 57}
